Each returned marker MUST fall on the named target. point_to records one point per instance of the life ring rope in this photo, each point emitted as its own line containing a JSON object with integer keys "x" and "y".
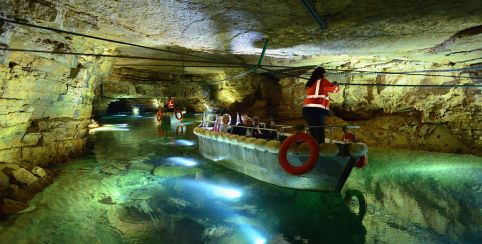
{"x": 308, "y": 165}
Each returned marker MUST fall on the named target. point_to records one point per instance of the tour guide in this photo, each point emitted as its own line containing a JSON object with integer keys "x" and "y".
{"x": 317, "y": 102}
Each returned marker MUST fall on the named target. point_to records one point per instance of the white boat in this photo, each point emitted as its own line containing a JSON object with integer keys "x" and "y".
{"x": 271, "y": 162}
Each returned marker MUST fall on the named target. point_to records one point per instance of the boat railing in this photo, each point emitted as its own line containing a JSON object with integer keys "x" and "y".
{"x": 329, "y": 129}
{"x": 258, "y": 128}
{"x": 282, "y": 129}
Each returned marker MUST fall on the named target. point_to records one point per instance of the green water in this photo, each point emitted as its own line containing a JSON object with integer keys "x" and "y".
{"x": 144, "y": 183}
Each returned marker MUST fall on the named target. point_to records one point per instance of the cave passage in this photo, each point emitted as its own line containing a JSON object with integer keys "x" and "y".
{"x": 247, "y": 121}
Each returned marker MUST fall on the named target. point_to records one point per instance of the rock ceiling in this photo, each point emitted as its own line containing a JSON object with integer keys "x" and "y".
{"x": 446, "y": 31}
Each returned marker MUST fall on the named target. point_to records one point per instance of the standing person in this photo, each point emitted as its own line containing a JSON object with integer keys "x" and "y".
{"x": 170, "y": 104}
{"x": 317, "y": 102}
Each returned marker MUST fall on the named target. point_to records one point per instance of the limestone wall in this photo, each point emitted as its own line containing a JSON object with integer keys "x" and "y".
{"x": 45, "y": 99}
{"x": 252, "y": 94}
{"x": 446, "y": 120}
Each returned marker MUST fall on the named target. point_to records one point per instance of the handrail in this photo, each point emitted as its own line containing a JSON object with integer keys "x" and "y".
{"x": 335, "y": 126}
{"x": 282, "y": 128}
{"x": 259, "y": 128}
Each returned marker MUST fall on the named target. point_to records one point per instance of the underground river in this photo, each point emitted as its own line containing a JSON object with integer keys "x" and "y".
{"x": 144, "y": 183}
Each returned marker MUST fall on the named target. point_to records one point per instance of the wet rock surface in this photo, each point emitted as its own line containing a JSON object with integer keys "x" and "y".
{"x": 45, "y": 100}
{"x": 19, "y": 185}
{"x": 25, "y": 177}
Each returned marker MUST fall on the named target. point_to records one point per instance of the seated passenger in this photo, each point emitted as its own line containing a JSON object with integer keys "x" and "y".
{"x": 255, "y": 121}
{"x": 216, "y": 124}
{"x": 226, "y": 120}
{"x": 270, "y": 134}
{"x": 240, "y": 121}
{"x": 248, "y": 122}
{"x": 256, "y": 132}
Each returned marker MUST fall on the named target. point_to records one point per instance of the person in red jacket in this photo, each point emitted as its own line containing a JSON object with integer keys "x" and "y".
{"x": 170, "y": 104}
{"x": 317, "y": 102}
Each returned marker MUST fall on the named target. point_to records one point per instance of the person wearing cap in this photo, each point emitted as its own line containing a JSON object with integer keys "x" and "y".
{"x": 317, "y": 102}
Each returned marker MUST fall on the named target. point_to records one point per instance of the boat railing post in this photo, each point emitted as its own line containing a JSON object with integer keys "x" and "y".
{"x": 330, "y": 134}
{"x": 343, "y": 129}
{"x": 203, "y": 125}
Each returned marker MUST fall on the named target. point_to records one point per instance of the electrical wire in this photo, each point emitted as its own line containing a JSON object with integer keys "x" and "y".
{"x": 394, "y": 85}
{"x": 99, "y": 38}
{"x": 236, "y": 76}
{"x": 210, "y": 60}
{"x": 105, "y": 55}
{"x": 413, "y": 85}
{"x": 180, "y": 66}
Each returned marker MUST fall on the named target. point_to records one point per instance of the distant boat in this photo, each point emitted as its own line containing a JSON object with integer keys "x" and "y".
{"x": 168, "y": 117}
{"x": 308, "y": 166}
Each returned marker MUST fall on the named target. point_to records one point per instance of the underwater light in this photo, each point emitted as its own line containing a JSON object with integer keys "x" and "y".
{"x": 111, "y": 127}
{"x": 259, "y": 240}
{"x": 225, "y": 192}
{"x": 253, "y": 235}
{"x": 135, "y": 111}
{"x": 120, "y": 115}
{"x": 116, "y": 125}
{"x": 182, "y": 161}
{"x": 183, "y": 142}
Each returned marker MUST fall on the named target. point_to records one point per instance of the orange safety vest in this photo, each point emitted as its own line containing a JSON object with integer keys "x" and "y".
{"x": 317, "y": 94}
{"x": 170, "y": 103}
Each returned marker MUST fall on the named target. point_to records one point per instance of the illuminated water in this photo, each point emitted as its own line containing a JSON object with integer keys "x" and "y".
{"x": 147, "y": 184}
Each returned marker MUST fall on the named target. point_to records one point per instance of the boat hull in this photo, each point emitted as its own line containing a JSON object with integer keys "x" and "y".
{"x": 329, "y": 173}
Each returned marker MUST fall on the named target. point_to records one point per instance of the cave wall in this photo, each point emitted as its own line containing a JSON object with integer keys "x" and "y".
{"x": 45, "y": 99}
{"x": 188, "y": 90}
{"x": 437, "y": 119}
{"x": 258, "y": 95}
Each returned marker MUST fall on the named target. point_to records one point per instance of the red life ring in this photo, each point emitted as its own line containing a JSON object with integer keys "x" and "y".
{"x": 308, "y": 165}
{"x": 159, "y": 115}
{"x": 178, "y": 112}
{"x": 362, "y": 162}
